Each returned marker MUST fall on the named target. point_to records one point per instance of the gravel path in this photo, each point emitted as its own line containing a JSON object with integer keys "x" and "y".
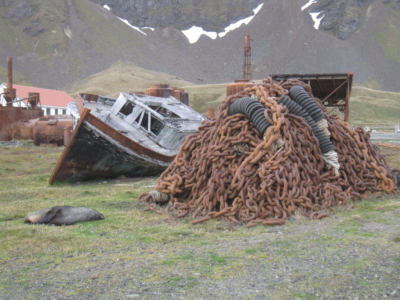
{"x": 385, "y": 136}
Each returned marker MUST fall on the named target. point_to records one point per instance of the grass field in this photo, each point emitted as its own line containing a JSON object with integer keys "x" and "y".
{"x": 123, "y": 77}
{"x": 138, "y": 254}
{"x": 369, "y": 106}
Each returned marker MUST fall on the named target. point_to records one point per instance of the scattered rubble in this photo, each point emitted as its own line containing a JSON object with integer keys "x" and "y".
{"x": 12, "y": 143}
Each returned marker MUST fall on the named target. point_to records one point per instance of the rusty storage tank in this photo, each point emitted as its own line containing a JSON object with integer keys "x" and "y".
{"x": 159, "y": 90}
{"x": 50, "y": 129}
{"x": 238, "y": 86}
{"x": 23, "y": 130}
{"x": 210, "y": 113}
{"x": 176, "y": 93}
{"x": 181, "y": 95}
{"x": 185, "y": 98}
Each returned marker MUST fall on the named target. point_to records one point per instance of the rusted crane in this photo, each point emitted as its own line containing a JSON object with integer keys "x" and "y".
{"x": 247, "y": 57}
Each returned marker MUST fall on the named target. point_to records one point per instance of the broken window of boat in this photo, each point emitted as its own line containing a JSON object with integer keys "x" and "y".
{"x": 154, "y": 107}
{"x": 144, "y": 120}
{"x": 127, "y": 108}
{"x": 139, "y": 118}
{"x": 156, "y": 126}
{"x": 166, "y": 112}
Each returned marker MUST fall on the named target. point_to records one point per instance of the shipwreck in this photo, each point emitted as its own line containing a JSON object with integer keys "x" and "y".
{"x": 132, "y": 135}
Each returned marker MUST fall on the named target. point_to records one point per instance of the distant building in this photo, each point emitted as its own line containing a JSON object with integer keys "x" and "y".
{"x": 51, "y": 101}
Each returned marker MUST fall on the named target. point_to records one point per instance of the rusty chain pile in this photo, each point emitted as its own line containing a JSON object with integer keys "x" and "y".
{"x": 389, "y": 145}
{"x": 230, "y": 171}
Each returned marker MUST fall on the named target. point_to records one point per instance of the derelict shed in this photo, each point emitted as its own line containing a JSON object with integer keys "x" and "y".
{"x": 332, "y": 89}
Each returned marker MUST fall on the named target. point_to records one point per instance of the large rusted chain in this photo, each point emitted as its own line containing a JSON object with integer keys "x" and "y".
{"x": 226, "y": 171}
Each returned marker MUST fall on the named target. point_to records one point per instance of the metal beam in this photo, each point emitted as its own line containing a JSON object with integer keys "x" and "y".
{"x": 335, "y": 90}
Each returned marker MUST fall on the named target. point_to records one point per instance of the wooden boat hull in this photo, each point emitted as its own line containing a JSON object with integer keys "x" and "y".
{"x": 96, "y": 150}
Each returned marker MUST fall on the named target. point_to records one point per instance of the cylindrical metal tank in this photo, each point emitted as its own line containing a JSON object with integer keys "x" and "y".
{"x": 159, "y": 90}
{"x": 238, "y": 86}
{"x": 50, "y": 129}
{"x": 210, "y": 113}
{"x": 177, "y": 93}
{"x": 185, "y": 98}
{"x": 23, "y": 130}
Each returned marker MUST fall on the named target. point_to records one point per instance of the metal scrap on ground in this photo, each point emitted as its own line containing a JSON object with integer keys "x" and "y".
{"x": 209, "y": 178}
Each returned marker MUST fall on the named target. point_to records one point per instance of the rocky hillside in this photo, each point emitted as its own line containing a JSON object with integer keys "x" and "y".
{"x": 211, "y": 15}
{"x": 341, "y": 17}
{"x": 59, "y": 43}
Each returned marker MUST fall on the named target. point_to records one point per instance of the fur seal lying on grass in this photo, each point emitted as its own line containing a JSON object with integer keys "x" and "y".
{"x": 63, "y": 215}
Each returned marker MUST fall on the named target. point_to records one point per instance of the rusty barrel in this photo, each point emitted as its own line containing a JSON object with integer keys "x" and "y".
{"x": 210, "y": 113}
{"x": 50, "y": 129}
{"x": 159, "y": 90}
{"x": 238, "y": 86}
{"x": 177, "y": 93}
{"x": 23, "y": 130}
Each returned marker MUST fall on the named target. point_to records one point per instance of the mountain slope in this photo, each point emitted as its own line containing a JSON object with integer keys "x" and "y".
{"x": 182, "y": 14}
{"x": 57, "y": 43}
{"x": 62, "y": 41}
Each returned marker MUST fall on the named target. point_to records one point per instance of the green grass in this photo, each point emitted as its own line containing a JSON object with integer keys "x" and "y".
{"x": 176, "y": 253}
{"x": 369, "y": 106}
{"x": 123, "y": 77}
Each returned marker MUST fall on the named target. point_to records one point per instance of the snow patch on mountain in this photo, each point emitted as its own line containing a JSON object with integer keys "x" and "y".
{"x": 134, "y": 27}
{"x": 317, "y": 21}
{"x": 193, "y": 34}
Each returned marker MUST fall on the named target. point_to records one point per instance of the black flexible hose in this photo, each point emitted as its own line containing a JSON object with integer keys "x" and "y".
{"x": 253, "y": 109}
{"x": 300, "y": 96}
{"x": 325, "y": 143}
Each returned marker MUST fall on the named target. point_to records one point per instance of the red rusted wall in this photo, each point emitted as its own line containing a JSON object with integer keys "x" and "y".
{"x": 10, "y": 115}
{"x": 28, "y": 114}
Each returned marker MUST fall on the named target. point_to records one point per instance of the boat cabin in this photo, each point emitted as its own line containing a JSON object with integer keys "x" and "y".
{"x": 166, "y": 121}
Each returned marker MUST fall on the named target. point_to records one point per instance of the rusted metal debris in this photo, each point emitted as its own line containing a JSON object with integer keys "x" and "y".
{"x": 23, "y": 130}
{"x": 50, "y": 129}
{"x": 34, "y": 100}
{"x": 9, "y": 115}
{"x": 332, "y": 89}
{"x": 238, "y": 86}
{"x": 210, "y": 113}
{"x": 132, "y": 135}
{"x": 46, "y": 130}
{"x": 165, "y": 91}
{"x": 265, "y": 184}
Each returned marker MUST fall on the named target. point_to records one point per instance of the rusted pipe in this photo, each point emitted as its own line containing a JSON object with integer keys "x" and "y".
{"x": 67, "y": 134}
{"x": 9, "y": 92}
{"x": 210, "y": 113}
{"x": 9, "y": 73}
